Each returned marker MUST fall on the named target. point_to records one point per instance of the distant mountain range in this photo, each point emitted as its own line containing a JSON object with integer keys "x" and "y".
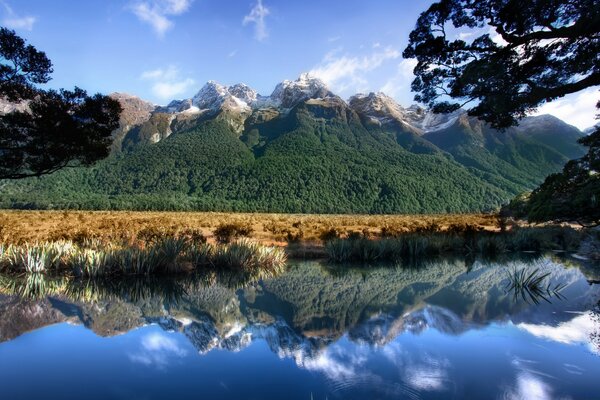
{"x": 305, "y": 149}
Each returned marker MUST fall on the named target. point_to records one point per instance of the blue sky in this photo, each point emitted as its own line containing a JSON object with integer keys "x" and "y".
{"x": 166, "y": 49}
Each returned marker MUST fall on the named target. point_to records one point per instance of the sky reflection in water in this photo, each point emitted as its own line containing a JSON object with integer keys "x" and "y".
{"x": 433, "y": 332}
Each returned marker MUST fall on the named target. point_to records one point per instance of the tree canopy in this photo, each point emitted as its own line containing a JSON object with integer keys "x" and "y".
{"x": 506, "y": 57}
{"x": 48, "y": 130}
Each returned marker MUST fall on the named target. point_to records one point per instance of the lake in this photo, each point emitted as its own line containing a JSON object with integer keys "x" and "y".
{"x": 438, "y": 330}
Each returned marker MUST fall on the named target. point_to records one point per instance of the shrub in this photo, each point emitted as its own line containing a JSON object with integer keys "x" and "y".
{"x": 225, "y": 233}
{"x": 329, "y": 234}
{"x": 192, "y": 235}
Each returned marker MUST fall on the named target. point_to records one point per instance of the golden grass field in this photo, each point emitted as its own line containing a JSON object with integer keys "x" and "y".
{"x": 35, "y": 226}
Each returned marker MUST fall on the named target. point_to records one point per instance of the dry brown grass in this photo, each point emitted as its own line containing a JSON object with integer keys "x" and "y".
{"x": 279, "y": 229}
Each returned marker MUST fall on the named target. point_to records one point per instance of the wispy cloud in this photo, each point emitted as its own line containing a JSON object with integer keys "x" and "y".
{"x": 167, "y": 83}
{"x": 157, "y": 13}
{"x": 14, "y": 21}
{"x": 344, "y": 72}
{"x": 257, "y": 16}
{"x": 400, "y": 82}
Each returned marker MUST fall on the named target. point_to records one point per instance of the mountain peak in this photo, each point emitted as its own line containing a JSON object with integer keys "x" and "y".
{"x": 378, "y": 107}
{"x": 289, "y": 93}
{"x": 214, "y": 95}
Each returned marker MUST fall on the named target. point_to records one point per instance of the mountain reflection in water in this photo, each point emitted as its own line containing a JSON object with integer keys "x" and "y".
{"x": 366, "y": 332}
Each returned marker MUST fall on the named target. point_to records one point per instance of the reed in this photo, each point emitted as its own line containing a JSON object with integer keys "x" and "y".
{"x": 532, "y": 285}
{"x": 406, "y": 246}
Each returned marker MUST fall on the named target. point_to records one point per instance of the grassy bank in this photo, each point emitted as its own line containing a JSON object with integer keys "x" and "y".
{"x": 112, "y": 226}
{"x": 168, "y": 255}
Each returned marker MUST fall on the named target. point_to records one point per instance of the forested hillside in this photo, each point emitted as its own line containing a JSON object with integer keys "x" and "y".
{"x": 317, "y": 155}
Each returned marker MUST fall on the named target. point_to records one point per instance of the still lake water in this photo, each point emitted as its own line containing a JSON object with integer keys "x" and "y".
{"x": 445, "y": 330}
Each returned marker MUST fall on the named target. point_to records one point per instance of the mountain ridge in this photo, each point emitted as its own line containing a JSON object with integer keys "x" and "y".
{"x": 304, "y": 149}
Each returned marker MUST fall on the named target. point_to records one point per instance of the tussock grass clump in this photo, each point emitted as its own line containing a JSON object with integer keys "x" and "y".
{"x": 246, "y": 255}
{"x": 90, "y": 262}
{"x": 35, "y": 257}
{"x": 166, "y": 256}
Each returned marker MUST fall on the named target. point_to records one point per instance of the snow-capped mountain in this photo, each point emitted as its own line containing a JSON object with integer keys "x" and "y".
{"x": 382, "y": 110}
{"x": 241, "y": 97}
{"x": 377, "y": 108}
{"x": 288, "y": 94}
{"x": 242, "y": 108}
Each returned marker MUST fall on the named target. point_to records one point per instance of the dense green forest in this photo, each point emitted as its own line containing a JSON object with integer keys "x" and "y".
{"x": 320, "y": 158}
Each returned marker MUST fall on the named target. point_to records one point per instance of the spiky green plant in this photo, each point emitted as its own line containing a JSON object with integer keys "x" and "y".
{"x": 136, "y": 261}
{"x": 168, "y": 250}
{"x": 247, "y": 255}
{"x": 5, "y": 251}
{"x": 32, "y": 259}
{"x": 89, "y": 262}
{"x": 201, "y": 255}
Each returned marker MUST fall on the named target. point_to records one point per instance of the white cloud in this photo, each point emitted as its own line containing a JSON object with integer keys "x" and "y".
{"x": 157, "y": 12}
{"x": 232, "y": 53}
{"x": 13, "y": 21}
{"x": 257, "y": 17}
{"x": 169, "y": 90}
{"x": 576, "y": 331}
{"x": 157, "y": 349}
{"x": 400, "y": 82}
{"x": 333, "y": 39}
{"x": 345, "y": 72}
{"x": 167, "y": 83}
{"x": 578, "y": 109}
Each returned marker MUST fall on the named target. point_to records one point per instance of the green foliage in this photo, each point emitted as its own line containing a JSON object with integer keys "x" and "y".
{"x": 304, "y": 164}
{"x": 571, "y": 195}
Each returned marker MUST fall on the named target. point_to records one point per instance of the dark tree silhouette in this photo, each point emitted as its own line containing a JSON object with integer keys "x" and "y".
{"x": 21, "y": 68}
{"x": 51, "y": 129}
{"x": 547, "y": 49}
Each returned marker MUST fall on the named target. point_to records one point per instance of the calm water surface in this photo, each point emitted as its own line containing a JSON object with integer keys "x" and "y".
{"x": 444, "y": 330}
